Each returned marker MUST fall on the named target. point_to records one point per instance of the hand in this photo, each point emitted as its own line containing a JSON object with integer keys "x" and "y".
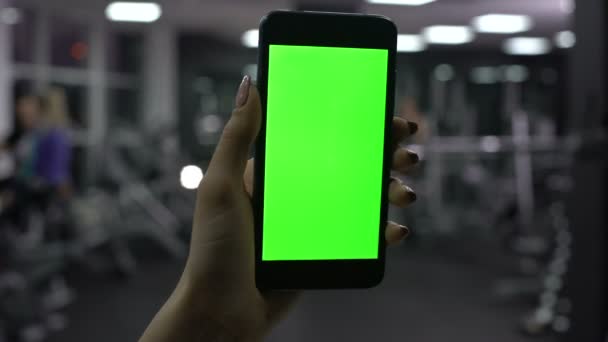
{"x": 218, "y": 281}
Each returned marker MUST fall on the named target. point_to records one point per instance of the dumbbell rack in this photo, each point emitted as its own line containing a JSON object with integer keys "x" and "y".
{"x": 522, "y": 147}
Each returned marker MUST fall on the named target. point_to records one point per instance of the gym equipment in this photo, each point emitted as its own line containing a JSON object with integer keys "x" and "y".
{"x": 516, "y": 183}
{"x": 32, "y": 289}
{"x": 96, "y": 227}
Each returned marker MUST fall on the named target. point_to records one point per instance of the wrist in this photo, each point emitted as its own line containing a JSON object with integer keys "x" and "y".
{"x": 205, "y": 325}
{"x": 180, "y": 320}
{"x": 217, "y": 319}
{"x": 232, "y": 312}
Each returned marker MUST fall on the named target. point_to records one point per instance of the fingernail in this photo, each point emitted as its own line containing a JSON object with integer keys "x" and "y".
{"x": 412, "y": 126}
{"x": 413, "y": 157}
{"x": 411, "y": 195}
{"x": 243, "y": 92}
{"x": 405, "y": 231}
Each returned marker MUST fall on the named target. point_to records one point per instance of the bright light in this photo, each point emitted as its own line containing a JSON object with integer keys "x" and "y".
{"x": 502, "y": 23}
{"x": 401, "y": 2}
{"x": 484, "y": 75}
{"x": 250, "y": 38}
{"x": 10, "y": 16}
{"x": 565, "y": 39}
{"x": 141, "y": 12}
{"x": 448, "y": 34}
{"x": 526, "y": 46}
{"x": 190, "y": 176}
{"x": 410, "y": 43}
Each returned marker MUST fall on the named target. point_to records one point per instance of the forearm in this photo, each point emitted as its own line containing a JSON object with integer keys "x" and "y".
{"x": 178, "y": 320}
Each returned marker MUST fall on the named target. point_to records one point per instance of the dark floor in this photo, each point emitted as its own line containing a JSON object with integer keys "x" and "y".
{"x": 421, "y": 300}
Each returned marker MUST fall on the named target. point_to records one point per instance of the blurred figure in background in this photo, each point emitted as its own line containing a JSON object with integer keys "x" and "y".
{"x": 17, "y": 195}
{"x": 29, "y": 108}
{"x": 52, "y": 167}
{"x": 53, "y": 164}
{"x": 43, "y": 156}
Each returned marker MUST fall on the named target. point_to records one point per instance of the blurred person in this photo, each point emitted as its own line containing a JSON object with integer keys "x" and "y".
{"x": 52, "y": 166}
{"x": 43, "y": 156}
{"x": 16, "y": 195}
{"x": 54, "y": 149}
{"x": 216, "y": 298}
{"x": 29, "y": 112}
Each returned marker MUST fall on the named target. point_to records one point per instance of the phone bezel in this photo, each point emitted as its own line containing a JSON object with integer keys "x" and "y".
{"x": 322, "y": 29}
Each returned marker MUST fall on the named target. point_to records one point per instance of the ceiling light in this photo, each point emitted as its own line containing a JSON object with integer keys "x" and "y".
{"x": 526, "y": 46}
{"x": 565, "y": 39}
{"x": 401, "y": 2}
{"x": 142, "y": 12}
{"x": 250, "y": 38}
{"x": 502, "y": 23}
{"x": 448, "y": 34}
{"x": 410, "y": 43}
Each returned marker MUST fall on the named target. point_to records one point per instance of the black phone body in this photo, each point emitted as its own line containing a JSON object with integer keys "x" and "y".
{"x": 280, "y": 31}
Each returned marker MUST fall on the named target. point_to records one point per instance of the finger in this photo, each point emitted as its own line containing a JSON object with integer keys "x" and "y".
{"x": 402, "y": 129}
{"x": 231, "y": 153}
{"x": 400, "y": 194}
{"x": 404, "y": 160}
{"x": 395, "y": 232}
{"x": 248, "y": 177}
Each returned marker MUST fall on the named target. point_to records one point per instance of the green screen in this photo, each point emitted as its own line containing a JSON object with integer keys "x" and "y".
{"x": 324, "y": 152}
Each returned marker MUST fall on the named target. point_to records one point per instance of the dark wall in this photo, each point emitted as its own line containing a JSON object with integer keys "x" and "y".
{"x": 588, "y": 202}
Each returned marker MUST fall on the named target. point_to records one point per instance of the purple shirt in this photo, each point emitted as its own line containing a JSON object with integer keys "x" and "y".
{"x": 53, "y": 157}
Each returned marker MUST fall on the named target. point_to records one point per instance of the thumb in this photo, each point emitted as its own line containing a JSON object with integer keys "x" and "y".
{"x": 231, "y": 153}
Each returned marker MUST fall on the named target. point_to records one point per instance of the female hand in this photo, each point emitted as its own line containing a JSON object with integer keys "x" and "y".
{"x": 216, "y": 297}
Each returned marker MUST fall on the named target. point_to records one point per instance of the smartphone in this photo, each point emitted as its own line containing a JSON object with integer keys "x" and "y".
{"x": 322, "y": 158}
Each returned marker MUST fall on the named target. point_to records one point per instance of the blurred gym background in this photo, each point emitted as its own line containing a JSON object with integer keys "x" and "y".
{"x": 109, "y": 113}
